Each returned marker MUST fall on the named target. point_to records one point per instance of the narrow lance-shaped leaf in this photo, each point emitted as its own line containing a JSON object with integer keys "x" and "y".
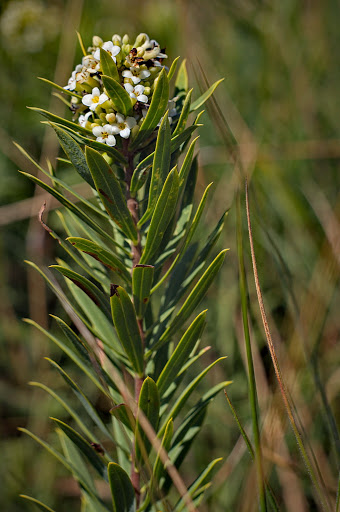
{"x": 182, "y": 80}
{"x": 38, "y": 503}
{"x": 149, "y": 405}
{"x": 85, "y": 448}
{"x": 60, "y": 120}
{"x": 119, "y": 96}
{"x": 164, "y": 210}
{"x": 143, "y": 168}
{"x": 86, "y": 285}
{"x": 142, "y": 278}
{"x": 70, "y": 206}
{"x": 195, "y": 296}
{"x": 160, "y": 167}
{"x": 181, "y": 353}
{"x": 110, "y": 192}
{"x": 195, "y": 486}
{"x": 59, "y": 88}
{"x": 184, "y": 114}
{"x": 122, "y": 491}
{"x": 75, "y": 154}
{"x": 123, "y": 413}
{"x": 156, "y": 110}
{"x": 173, "y": 68}
{"x": 158, "y": 468}
{"x": 124, "y": 319}
{"x": 205, "y": 96}
{"x": 101, "y": 254}
{"x": 108, "y": 65}
{"x": 184, "y": 396}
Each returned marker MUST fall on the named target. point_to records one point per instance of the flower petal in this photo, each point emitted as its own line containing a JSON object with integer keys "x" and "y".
{"x": 128, "y": 87}
{"x": 142, "y": 98}
{"x": 130, "y": 122}
{"x": 120, "y": 118}
{"x": 125, "y": 133}
{"x": 111, "y": 140}
{"x": 97, "y": 131}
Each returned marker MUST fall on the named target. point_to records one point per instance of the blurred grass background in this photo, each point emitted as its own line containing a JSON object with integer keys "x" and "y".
{"x": 279, "y": 105}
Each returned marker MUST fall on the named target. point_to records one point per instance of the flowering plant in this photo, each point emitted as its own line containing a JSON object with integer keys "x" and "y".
{"x": 144, "y": 277}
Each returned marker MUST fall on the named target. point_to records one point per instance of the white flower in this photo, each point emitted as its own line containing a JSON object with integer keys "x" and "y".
{"x": 123, "y": 125}
{"x": 137, "y": 92}
{"x": 73, "y": 79}
{"x": 104, "y": 134}
{"x": 82, "y": 120}
{"x": 94, "y": 99}
{"x": 90, "y": 64}
{"x": 111, "y": 48}
{"x": 136, "y": 74}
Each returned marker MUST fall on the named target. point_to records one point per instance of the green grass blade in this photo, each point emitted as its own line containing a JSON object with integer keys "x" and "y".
{"x": 38, "y": 503}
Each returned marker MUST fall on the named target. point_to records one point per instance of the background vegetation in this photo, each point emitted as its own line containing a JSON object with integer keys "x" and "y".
{"x": 279, "y": 105}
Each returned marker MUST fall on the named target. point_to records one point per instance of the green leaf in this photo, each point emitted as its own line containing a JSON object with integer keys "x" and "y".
{"x": 81, "y": 359}
{"x": 124, "y": 319}
{"x": 70, "y": 206}
{"x": 183, "y": 398}
{"x": 142, "y": 278}
{"x": 158, "y": 468}
{"x": 173, "y": 68}
{"x": 184, "y": 115}
{"x": 158, "y": 105}
{"x": 68, "y": 409}
{"x": 101, "y": 254}
{"x": 195, "y": 486}
{"x": 205, "y": 96}
{"x": 195, "y": 297}
{"x": 85, "y": 448}
{"x": 60, "y": 120}
{"x": 119, "y": 96}
{"x": 68, "y": 465}
{"x": 182, "y": 80}
{"x": 87, "y": 286}
{"x": 181, "y": 353}
{"x": 163, "y": 213}
{"x": 141, "y": 172}
{"x": 91, "y": 411}
{"x": 110, "y": 192}
{"x": 108, "y": 65}
{"x": 149, "y": 404}
{"x": 186, "y": 166}
{"x": 56, "y": 86}
{"x": 160, "y": 167}
{"x": 38, "y": 503}
{"x": 75, "y": 154}
{"x": 124, "y": 414}
{"x": 195, "y": 221}
{"x": 123, "y": 494}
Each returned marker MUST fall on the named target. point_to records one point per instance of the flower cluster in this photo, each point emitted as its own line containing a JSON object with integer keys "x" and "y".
{"x": 138, "y": 66}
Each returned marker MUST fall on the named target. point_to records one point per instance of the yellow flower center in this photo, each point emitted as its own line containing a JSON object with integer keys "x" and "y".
{"x": 95, "y": 99}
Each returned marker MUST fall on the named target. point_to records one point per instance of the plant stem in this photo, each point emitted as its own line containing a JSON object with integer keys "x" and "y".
{"x": 251, "y": 374}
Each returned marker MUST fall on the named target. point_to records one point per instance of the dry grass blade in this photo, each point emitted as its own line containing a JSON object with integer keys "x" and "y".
{"x": 289, "y": 409}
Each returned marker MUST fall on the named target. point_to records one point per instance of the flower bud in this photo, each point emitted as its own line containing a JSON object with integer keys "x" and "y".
{"x": 126, "y": 39}
{"x": 110, "y": 118}
{"x": 141, "y": 39}
{"x": 116, "y": 39}
{"x": 97, "y": 41}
